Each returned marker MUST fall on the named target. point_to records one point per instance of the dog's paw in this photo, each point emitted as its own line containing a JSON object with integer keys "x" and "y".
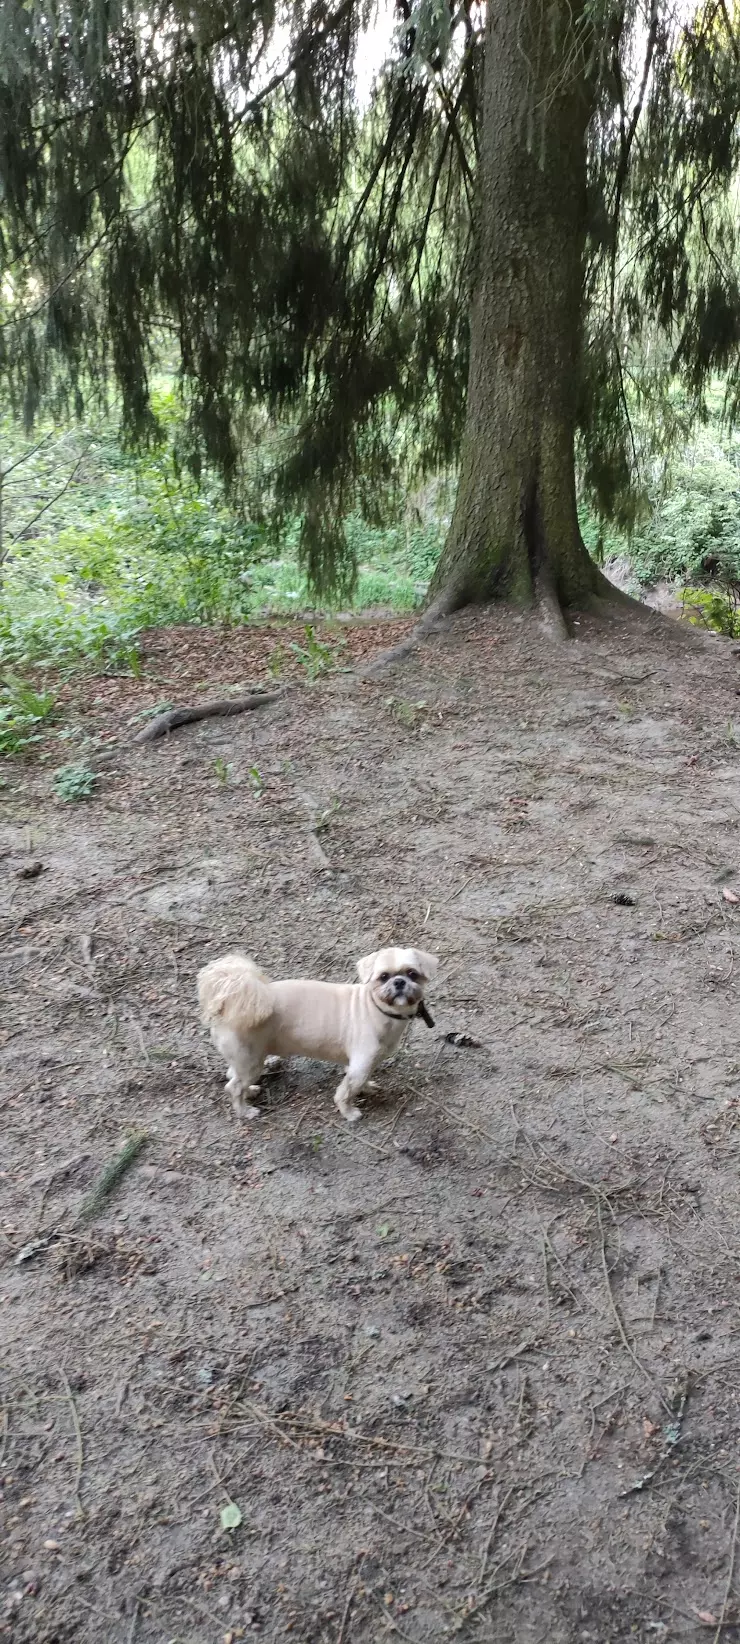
{"x": 273, "y": 1062}
{"x": 351, "y": 1114}
{"x": 371, "y": 1084}
{"x": 244, "y": 1110}
{"x": 254, "y": 1090}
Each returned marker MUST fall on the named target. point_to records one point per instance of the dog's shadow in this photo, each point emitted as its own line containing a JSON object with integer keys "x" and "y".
{"x": 300, "y": 1081}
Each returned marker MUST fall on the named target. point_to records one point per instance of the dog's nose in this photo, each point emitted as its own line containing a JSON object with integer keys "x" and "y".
{"x": 399, "y": 983}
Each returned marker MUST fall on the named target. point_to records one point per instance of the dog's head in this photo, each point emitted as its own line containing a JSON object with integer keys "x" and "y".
{"x": 397, "y": 977}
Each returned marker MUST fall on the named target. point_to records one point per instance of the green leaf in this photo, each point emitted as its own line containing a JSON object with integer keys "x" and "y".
{"x": 230, "y": 1516}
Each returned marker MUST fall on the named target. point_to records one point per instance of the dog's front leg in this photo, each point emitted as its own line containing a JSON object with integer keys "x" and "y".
{"x": 356, "y": 1076}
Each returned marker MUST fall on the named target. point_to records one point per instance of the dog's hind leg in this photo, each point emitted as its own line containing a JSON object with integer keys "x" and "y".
{"x": 244, "y": 1068}
{"x": 354, "y": 1079}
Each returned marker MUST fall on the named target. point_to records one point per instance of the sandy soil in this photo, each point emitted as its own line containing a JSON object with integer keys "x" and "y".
{"x": 468, "y": 1369}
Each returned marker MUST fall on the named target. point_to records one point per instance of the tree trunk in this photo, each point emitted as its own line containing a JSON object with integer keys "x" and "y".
{"x": 514, "y": 532}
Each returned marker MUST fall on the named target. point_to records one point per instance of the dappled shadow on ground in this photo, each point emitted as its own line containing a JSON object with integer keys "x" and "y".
{"x": 467, "y": 1369}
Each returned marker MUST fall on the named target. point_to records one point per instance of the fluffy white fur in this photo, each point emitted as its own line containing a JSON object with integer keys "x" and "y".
{"x": 255, "y": 1021}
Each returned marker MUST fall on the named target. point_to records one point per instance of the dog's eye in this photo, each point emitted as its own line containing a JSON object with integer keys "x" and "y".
{"x": 413, "y": 975}
{"x": 383, "y": 977}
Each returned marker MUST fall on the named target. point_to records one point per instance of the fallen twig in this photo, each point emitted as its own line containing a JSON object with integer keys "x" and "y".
{"x": 349, "y": 1602}
{"x": 730, "y": 1571}
{"x": 78, "y": 1436}
{"x": 671, "y": 1437}
{"x": 225, "y": 707}
{"x": 515, "y": 1353}
{"x": 308, "y": 1425}
{"x": 614, "y": 1310}
{"x": 496, "y": 1587}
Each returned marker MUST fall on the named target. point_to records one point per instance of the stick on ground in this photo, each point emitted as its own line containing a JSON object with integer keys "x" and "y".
{"x": 78, "y": 1437}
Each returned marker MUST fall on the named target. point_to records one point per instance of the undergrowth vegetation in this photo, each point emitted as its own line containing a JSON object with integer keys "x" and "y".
{"x": 100, "y": 544}
{"x": 132, "y": 543}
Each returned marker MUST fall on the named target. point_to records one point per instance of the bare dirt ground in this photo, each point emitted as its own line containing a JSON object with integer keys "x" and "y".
{"x": 468, "y": 1369}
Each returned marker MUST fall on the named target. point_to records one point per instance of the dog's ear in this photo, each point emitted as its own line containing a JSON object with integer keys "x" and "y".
{"x": 427, "y": 963}
{"x": 366, "y": 966}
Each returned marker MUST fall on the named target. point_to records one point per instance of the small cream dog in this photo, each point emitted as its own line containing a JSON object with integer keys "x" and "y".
{"x": 254, "y": 1021}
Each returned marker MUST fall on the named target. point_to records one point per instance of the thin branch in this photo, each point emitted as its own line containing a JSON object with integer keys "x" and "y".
{"x": 36, "y": 239}
{"x": 306, "y": 47}
{"x": 380, "y": 161}
{"x": 730, "y": 31}
{"x": 627, "y": 137}
{"x": 26, "y": 457}
{"x": 625, "y": 405}
{"x": 30, "y": 314}
{"x": 430, "y": 206}
{"x": 451, "y": 114}
{"x": 47, "y": 505}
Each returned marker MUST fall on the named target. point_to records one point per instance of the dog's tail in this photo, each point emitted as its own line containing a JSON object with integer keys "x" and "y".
{"x": 236, "y": 990}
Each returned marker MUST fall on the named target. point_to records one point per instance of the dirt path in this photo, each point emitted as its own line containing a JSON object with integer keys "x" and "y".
{"x": 469, "y": 1369}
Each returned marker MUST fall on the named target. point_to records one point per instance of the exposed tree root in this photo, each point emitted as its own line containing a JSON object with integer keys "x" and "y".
{"x": 226, "y": 707}
{"x": 549, "y": 607}
{"x": 613, "y": 604}
{"x": 451, "y": 599}
{"x": 605, "y": 601}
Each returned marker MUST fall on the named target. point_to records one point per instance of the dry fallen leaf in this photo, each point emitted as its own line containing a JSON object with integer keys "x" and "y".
{"x": 730, "y": 896}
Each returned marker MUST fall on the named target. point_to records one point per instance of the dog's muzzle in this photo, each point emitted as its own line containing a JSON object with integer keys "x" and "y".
{"x": 399, "y": 990}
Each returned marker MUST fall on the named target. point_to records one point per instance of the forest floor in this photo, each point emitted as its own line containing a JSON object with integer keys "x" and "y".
{"x": 470, "y": 1368}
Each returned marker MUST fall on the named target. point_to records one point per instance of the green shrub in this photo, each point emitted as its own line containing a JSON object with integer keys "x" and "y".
{"x": 133, "y": 543}
{"x": 694, "y": 533}
{"x": 713, "y": 610}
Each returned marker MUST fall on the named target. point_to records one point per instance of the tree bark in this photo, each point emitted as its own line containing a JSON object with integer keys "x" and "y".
{"x": 514, "y": 532}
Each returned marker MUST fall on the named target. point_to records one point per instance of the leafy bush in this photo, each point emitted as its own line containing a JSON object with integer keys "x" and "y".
{"x": 713, "y": 610}
{"x": 694, "y": 533}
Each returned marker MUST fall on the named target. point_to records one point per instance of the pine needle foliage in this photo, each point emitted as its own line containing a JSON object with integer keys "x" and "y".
{"x": 196, "y": 179}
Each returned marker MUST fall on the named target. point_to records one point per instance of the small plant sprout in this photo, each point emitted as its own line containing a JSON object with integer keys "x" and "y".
{"x": 277, "y": 660}
{"x": 74, "y": 782}
{"x": 326, "y": 817}
{"x": 316, "y": 657}
{"x": 256, "y": 781}
{"x": 22, "y": 711}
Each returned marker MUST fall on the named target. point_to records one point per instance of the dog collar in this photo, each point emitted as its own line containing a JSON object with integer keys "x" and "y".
{"x": 421, "y": 1010}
